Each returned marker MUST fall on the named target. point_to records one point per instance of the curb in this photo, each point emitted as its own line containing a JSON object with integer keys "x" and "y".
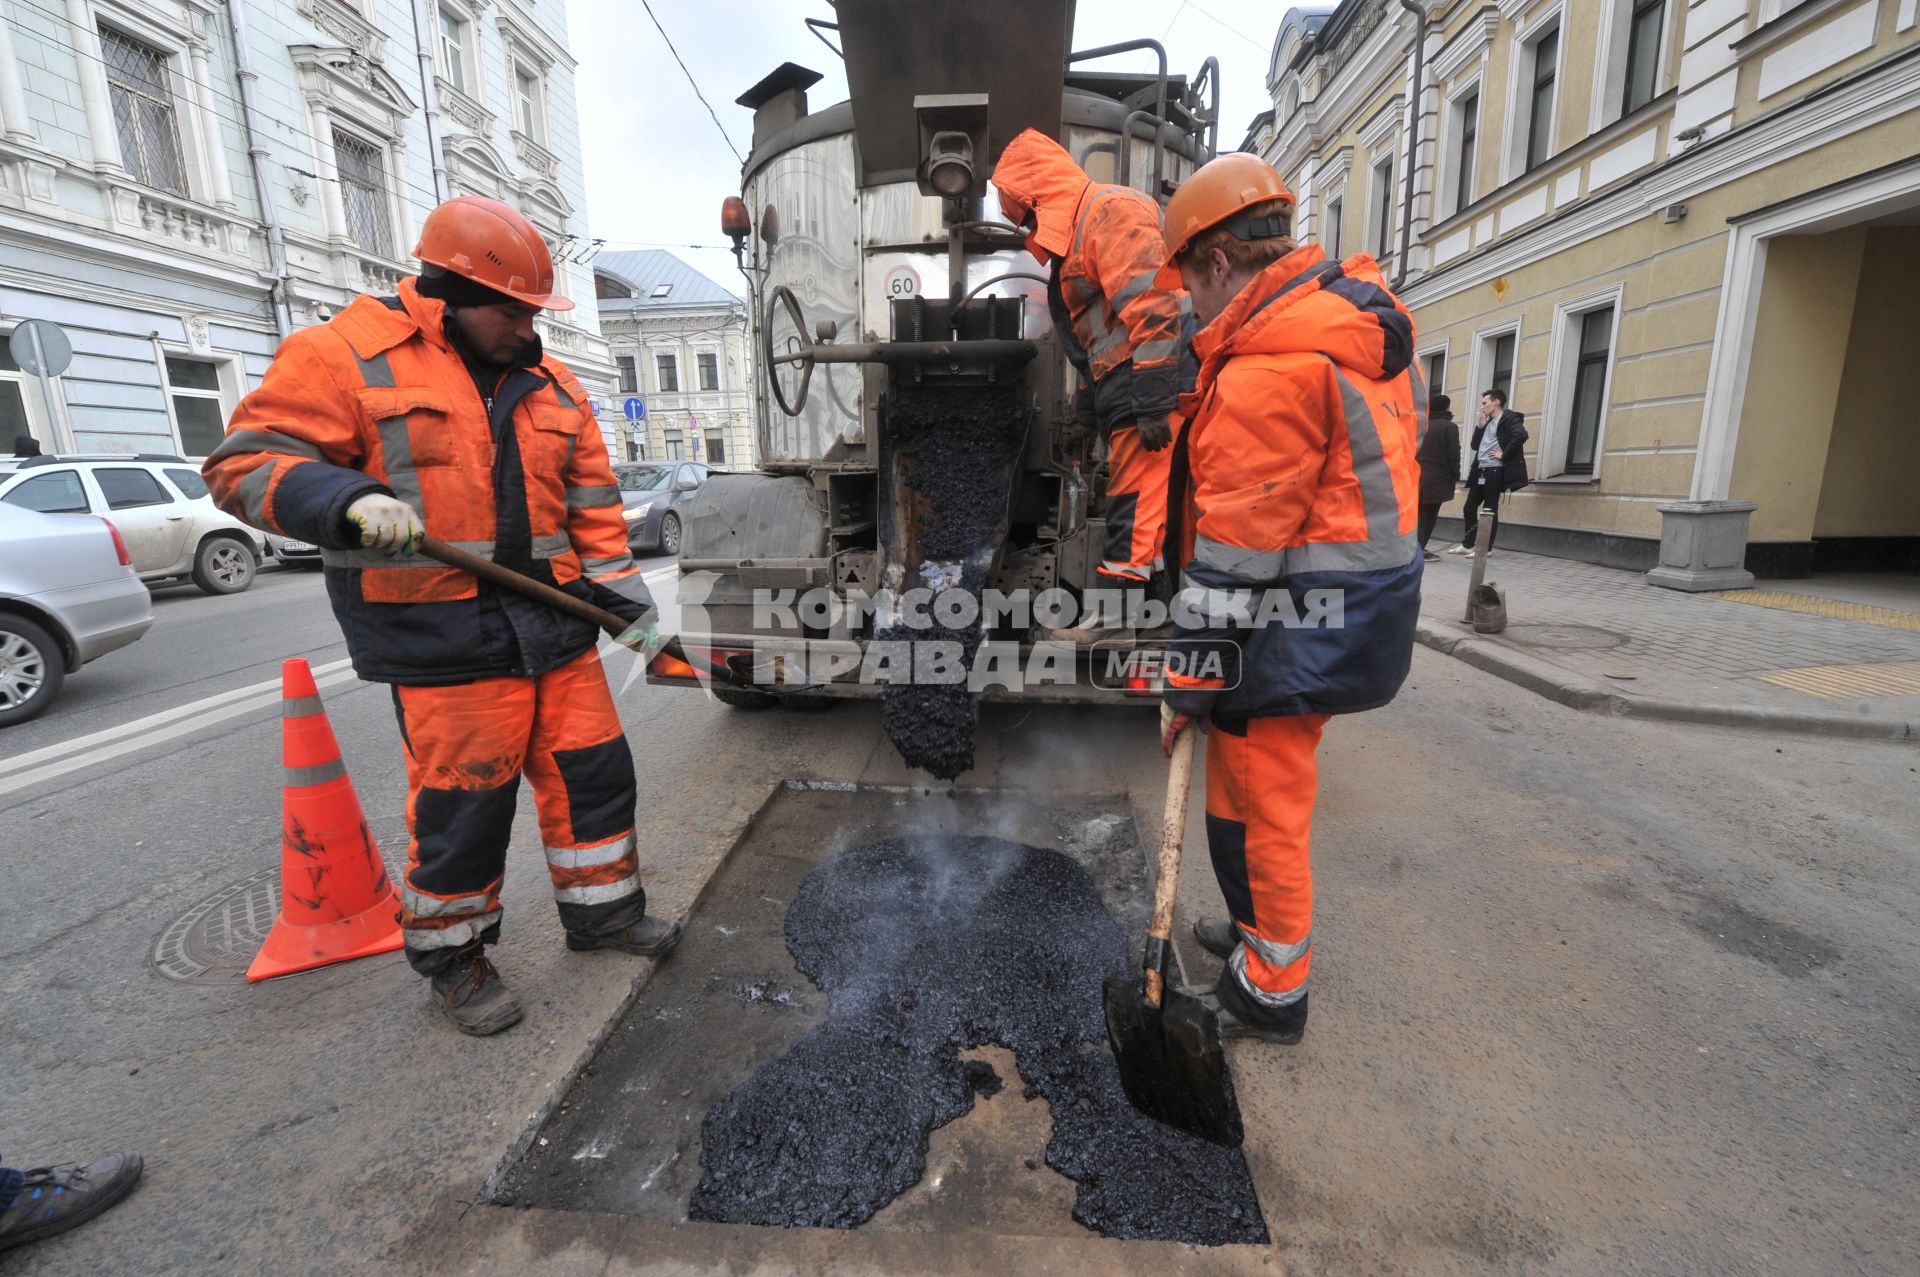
{"x": 1576, "y": 692}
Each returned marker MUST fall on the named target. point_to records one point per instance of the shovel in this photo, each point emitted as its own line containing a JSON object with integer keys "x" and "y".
{"x": 1167, "y": 1044}
{"x": 507, "y": 579}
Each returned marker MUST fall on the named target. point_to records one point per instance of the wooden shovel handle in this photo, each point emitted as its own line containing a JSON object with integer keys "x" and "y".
{"x": 1173, "y": 830}
{"x": 507, "y": 579}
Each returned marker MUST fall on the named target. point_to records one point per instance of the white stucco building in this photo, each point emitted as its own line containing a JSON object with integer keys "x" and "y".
{"x": 184, "y": 182}
{"x": 679, "y": 344}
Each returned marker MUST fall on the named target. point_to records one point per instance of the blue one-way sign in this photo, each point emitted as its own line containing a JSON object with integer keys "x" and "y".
{"x": 636, "y": 409}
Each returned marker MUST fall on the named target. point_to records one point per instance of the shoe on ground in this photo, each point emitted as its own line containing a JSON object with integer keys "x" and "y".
{"x": 649, "y": 938}
{"x": 472, "y": 995}
{"x": 1233, "y": 1027}
{"x": 1217, "y": 936}
{"x": 1114, "y": 636}
{"x": 56, "y": 1198}
{"x": 1459, "y": 549}
{"x": 1429, "y": 555}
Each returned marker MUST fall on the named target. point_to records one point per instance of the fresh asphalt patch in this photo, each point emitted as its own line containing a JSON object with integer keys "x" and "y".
{"x": 821, "y": 1049}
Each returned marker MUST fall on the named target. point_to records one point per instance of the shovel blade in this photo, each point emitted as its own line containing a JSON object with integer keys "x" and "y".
{"x": 1171, "y": 1063}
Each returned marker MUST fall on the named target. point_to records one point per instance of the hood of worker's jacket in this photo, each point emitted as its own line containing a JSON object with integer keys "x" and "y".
{"x": 1035, "y": 172}
{"x": 1304, "y": 303}
{"x": 372, "y": 325}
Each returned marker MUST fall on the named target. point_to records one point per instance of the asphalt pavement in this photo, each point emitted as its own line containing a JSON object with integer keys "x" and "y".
{"x": 1591, "y": 995}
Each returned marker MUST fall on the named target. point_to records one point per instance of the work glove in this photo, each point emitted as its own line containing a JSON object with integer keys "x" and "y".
{"x": 386, "y": 523}
{"x": 1156, "y": 432}
{"x": 642, "y": 636}
{"x": 1172, "y": 723}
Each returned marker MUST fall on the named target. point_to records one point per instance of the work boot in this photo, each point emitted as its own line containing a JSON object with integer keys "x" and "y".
{"x": 1217, "y": 936}
{"x": 1285, "y": 1032}
{"x": 649, "y": 937}
{"x": 474, "y": 997}
{"x": 56, "y": 1198}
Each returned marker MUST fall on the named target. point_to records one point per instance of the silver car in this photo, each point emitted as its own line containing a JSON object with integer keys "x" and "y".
{"x": 68, "y": 594}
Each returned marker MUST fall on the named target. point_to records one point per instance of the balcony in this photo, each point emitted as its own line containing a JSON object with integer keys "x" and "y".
{"x": 174, "y": 221}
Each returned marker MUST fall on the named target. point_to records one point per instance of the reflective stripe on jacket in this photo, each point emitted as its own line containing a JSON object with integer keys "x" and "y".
{"x": 1304, "y": 496}
{"x": 378, "y": 400}
{"x": 1125, "y": 332}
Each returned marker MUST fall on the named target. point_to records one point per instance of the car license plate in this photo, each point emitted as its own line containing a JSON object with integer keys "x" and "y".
{"x": 297, "y": 545}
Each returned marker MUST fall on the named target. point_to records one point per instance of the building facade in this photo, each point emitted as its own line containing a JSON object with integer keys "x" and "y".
{"x": 1682, "y": 234}
{"x": 185, "y": 182}
{"x": 679, "y": 346}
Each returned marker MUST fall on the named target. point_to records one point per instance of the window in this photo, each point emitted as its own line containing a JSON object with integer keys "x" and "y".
{"x": 141, "y": 87}
{"x": 675, "y": 449}
{"x": 669, "y": 368}
{"x": 661, "y": 290}
{"x": 709, "y": 369}
{"x": 56, "y": 493}
{"x": 716, "y": 448}
{"x": 1546, "y": 54}
{"x": 13, "y": 401}
{"x": 690, "y": 476}
{"x": 1335, "y": 209}
{"x": 363, "y": 192}
{"x": 126, "y": 488}
{"x": 1435, "y": 369}
{"x": 527, "y": 112}
{"x": 453, "y": 50}
{"x": 193, "y": 386}
{"x": 1589, "y": 389}
{"x": 1469, "y": 125}
{"x": 1382, "y": 229}
{"x": 629, "y": 376}
{"x": 1502, "y": 379}
{"x": 1643, "y": 53}
{"x": 191, "y": 485}
{"x": 641, "y": 478}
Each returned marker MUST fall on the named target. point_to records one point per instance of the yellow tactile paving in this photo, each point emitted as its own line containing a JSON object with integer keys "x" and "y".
{"x": 1814, "y": 605}
{"x": 1846, "y": 682}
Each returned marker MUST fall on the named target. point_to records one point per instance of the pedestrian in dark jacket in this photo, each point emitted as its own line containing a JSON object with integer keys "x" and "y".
{"x": 1439, "y": 465}
{"x": 1499, "y": 465}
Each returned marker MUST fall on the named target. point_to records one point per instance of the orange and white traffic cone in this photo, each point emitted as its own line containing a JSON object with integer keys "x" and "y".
{"x": 336, "y": 901}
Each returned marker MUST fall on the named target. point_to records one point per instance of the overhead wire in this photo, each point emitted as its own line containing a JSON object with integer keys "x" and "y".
{"x": 691, "y": 81}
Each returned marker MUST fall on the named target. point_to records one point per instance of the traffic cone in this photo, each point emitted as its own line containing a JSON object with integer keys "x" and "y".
{"x": 336, "y": 901}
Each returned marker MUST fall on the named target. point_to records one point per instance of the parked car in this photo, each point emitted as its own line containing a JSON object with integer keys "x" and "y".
{"x": 650, "y": 491}
{"x": 160, "y": 506}
{"x": 68, "y": 594}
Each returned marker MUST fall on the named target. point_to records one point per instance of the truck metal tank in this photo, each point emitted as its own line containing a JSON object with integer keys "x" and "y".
{"x": 901, "y": 327}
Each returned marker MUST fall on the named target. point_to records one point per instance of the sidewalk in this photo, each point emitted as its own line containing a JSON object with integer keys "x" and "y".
{"x": 1604, "y": 640}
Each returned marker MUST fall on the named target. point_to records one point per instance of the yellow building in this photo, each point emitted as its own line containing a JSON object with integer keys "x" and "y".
{"x": 1685, "y": 237}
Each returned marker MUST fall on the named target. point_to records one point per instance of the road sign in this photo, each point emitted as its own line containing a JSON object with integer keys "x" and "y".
{"x": 40, "y": 348}
{"x": 636, "y": 409}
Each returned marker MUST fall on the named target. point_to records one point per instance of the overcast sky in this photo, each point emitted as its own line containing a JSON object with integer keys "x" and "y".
{"x": 657, "y": 168}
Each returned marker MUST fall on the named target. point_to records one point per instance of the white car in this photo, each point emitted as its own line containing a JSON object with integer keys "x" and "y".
{"x": 160, "y": 505}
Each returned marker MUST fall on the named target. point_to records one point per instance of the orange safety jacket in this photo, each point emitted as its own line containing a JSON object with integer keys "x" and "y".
{"x": 379, "y": 400}
{"x": 1301, "y": 569}
{"x": 1122, "y": 332}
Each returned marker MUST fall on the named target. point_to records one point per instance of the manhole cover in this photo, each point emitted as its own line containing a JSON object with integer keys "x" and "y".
{"x": 214, "y": 942}
{"x": 1537, "y": 635}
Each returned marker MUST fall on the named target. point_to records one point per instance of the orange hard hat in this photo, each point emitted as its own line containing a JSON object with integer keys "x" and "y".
{"x": 493, "y": 245}
{"x": 1217, "y": 191}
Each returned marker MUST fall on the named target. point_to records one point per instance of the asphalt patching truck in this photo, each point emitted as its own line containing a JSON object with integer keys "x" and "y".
{"x": 929, "y": 477}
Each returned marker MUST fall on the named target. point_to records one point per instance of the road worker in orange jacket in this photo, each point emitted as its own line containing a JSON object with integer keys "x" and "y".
{"x": 437, "y": 412}
{"x": 1301, "y": 569}
{"x": 1121, "y": 329}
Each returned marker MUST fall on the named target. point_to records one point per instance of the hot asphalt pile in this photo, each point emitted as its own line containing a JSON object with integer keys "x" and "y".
{"x": 928, "y": 947}
{"x": 958, "y": 447}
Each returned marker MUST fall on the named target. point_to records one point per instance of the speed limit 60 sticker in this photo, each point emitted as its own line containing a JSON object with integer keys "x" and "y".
{"x": 902, "y": 282}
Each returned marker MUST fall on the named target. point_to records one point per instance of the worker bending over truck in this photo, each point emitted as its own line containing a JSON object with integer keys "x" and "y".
{"x": 1121, "y": 329}
{"x": 1300, "y": 476}
{"x": 437, "y": 412}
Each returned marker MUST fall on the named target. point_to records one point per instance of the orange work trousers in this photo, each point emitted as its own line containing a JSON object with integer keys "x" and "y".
{"x": 1262, "y": 774}
{"x": 1136, "y": 506}
{"x": 467, "y": 746}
